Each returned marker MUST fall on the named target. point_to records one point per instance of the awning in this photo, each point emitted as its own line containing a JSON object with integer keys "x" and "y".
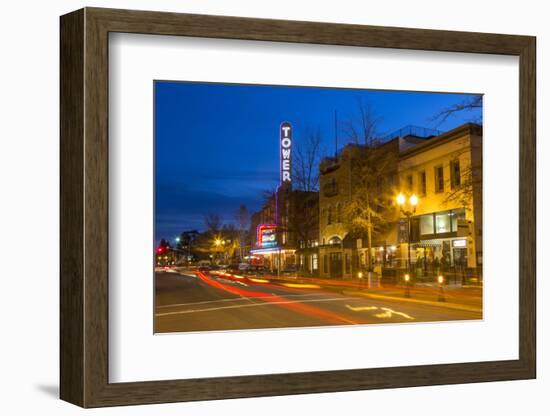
{"x": 272, "y": 250}
{"x": 428, "y": 244}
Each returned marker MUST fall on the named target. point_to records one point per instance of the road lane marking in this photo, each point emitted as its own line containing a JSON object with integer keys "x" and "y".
{"x": 240, "y": 298}
{"x": 281, "y": 301}
{"x": 388, "y": 313}
{"x": 231, "y": 282}
{"x": 438, "y": 304}
{"x": 203, "y": 302}
{"x": 253, "y": 305}
{"x": 361, "y": 308}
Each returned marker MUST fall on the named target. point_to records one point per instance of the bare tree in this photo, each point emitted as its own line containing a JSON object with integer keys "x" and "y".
{"x": 470, "y": 178}
{"x": 369, "y": 210}
{"x": 301, "y": 216}
{"x": 307, "y": 155}
{"x": 363, "y": 127}
{"x": 213, "y": 223}
{"x": 461, "y": 192}
{"x": 243, "y": 224}
{"x": 369, "y": 205}
{"x": 470, "y": 104}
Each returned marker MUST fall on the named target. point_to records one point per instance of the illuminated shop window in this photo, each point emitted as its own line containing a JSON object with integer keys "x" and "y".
{"x": 443, "y": 222}
{"x": 426, "y": 224}
{"x": 314, "y": 262}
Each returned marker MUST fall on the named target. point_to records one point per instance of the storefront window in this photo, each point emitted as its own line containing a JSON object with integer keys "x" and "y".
{"x": 314, "y": 262}
{"x": 443, "y": 223}
{"x": 457, "y": 215}
{"x": 426, "y": 224}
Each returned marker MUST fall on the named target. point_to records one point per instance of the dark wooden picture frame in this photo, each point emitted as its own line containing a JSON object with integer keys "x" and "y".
{"x": 84, "y": 207}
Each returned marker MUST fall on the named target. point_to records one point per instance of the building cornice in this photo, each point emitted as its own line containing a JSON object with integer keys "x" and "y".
{"x": 454, "y": 134}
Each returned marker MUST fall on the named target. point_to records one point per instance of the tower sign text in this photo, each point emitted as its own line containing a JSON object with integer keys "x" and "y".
{"x": 286, "y": 152}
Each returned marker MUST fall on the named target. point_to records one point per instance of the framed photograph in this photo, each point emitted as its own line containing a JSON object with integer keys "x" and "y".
{"x": 255, "y": 207}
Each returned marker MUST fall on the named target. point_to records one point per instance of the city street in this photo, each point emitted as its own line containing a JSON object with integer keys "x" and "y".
{"x": 192, "y": 300}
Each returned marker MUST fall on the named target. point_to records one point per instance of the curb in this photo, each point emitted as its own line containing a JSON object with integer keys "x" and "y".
{"x": 412, "y": 300}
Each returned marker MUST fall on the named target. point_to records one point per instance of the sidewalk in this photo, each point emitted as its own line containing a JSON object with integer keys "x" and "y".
{"x": 468, "y": 298}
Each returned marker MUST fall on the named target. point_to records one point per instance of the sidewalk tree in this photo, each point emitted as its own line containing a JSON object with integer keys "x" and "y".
{"x": 306, "y": 159}
{"x": 470, "y": 175}
{"x": 362, "y": 128}
{"x": 368, "y": 211}
{"x": 470, "y": 104}
{"x": 230, "y": 235}
{"x": 303, "y": 218}
{"x": 213, "y": 223}
{"x": 243, "y": 225}
{"x": 462, "y": 193}
{"x": 187, "y": 242}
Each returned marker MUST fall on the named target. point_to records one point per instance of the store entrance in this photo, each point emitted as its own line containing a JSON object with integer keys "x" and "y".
{"x": 336, "y": 265}
{"x": 460, "y": 261}
{"x": 460, "y": 256}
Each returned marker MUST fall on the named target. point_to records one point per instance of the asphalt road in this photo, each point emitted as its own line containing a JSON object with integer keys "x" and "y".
{"x": 190, "y": 301}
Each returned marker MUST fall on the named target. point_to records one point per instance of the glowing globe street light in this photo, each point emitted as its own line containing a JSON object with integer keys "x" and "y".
{"x": 400, "y": 199}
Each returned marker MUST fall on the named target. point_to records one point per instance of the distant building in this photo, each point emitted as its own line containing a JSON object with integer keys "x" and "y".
{"x": 285, "y": 231}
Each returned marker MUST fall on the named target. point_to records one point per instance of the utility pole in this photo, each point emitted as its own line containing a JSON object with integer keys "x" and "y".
{"x": 335, "y": 133}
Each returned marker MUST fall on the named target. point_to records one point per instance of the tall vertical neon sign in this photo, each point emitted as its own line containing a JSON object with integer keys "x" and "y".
{"x": 286, "y": 152}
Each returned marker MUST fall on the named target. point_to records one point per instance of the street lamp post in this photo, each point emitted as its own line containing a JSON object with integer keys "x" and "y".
{"x": 408, "y": 208}
{"x": 407, "y": 285}
{"x": 176, "y": 250}
{"x": 218, "y": 243}
{"x": 441, "y": 281}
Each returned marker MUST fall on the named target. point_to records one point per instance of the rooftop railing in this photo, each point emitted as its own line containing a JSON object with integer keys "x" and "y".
{"x": 415, "y": 131}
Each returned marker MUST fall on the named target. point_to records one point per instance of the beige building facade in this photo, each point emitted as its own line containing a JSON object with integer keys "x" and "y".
{"x": 444, "y": 172}
{"x": 344, "y": 253}
{"x": 446, "y": 229}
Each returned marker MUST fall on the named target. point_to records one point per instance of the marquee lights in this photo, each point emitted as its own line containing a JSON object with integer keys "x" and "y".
{"x": 266, "y": 235}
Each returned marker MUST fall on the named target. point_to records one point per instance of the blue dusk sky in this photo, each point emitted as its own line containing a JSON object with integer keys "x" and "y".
{"x": 217, "y": 145}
